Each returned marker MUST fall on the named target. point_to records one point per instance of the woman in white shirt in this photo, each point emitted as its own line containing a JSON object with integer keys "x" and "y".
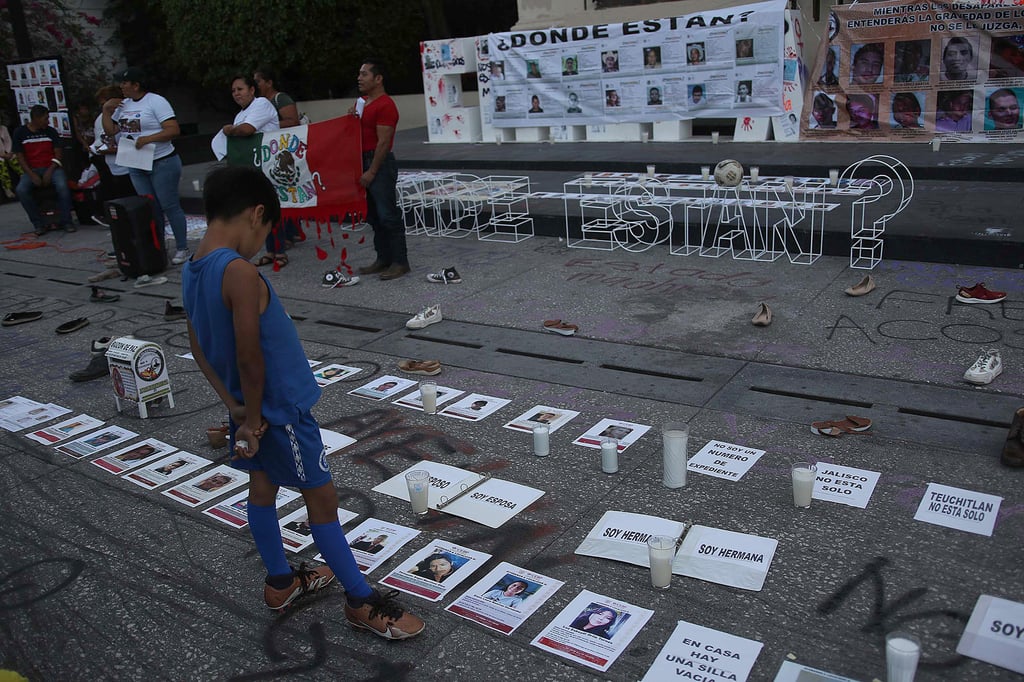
{"x": 145, "y": 118}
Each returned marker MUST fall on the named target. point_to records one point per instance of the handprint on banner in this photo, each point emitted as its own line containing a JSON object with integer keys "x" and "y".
{"x": 790, "y": 86}
{"x": 748, "y": 123}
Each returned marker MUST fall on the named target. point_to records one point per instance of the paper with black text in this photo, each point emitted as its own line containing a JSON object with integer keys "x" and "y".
{"x": 208, "y": 485}
{"x": 957, "y": 508}
{"x": 995, "y": 633}
{"x": 134, "y": 456}
{"x": 296, "y": 534}
{"x": 64, "y": 430}
{"x": 695, "y": 652}
{"x": 724, "y": 460}
{"x": 234, "y": 511}
{"x": 623, "y": 536}
{"x": 170, "y": 468}
{"x": 102, "y": 439}
{"x": 724, "y": 557}
{"x": 374, "y": 541}
{"x": 435, "y": 570}
{"x": 504, "y": 598}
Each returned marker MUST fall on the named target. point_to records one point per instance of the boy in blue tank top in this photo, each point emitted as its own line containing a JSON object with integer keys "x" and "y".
{"x": 248, "y": 349}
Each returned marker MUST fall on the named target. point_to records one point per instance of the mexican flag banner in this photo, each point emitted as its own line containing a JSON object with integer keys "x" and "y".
{"x": 314, "y": 167}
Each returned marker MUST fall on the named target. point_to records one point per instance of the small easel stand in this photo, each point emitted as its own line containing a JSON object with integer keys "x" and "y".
{"x": 138, "y": 372}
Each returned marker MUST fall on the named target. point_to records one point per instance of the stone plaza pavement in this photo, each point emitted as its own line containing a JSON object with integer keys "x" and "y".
{"x": 101, "y": 579}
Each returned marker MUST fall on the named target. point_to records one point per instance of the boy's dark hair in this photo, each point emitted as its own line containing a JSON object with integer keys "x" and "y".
{"x": 377, "y": 67}
{"x": 229, "y": 191}
{"x": 39, "y": 110}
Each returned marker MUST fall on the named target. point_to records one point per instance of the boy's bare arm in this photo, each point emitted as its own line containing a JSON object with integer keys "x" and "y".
{"x": 211, "y": 376}
{"x": 242, "y": 289}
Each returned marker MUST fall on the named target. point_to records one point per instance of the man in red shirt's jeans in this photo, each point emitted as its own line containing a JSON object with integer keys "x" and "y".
{"x": 379, "y": 119}
{"x": 37, "y": 146}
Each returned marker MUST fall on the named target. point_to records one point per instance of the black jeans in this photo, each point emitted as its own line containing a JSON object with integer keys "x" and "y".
{"x": 382, "y": 212}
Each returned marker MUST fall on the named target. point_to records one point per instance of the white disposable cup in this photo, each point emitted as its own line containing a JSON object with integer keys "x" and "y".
{"x": 674, "y": 436}
{"x": 714, "y": 137}
{"x": 196, "y": 186}
{"x": 803, "y": 474}
{"x": 705, "y": 172}
{"x": 609, "y": 455}
{"x": 588, "y": 179}
{"x": 650, "y": 171}
{"x": 428, "y": 395}
{"x": 755, "y": 173}
{"x": 661, "y": 551}
{"x": 418, "y": 481}
{"x": 902, "y": 651}
{"x": 936, "y": 144}
{"x": 645, "y": 136}
{"x": 541, "y": 446}
{"x": 833, "y": 177}
{"x": 789, "y": 182}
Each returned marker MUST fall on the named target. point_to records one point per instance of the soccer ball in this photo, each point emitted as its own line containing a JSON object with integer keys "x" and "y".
{"x": 729, "y": 173}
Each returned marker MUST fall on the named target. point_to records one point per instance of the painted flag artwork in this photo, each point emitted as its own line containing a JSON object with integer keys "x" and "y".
{"x": 315, "y": 167}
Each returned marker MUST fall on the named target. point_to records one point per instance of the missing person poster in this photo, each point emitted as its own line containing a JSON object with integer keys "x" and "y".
{"x": 102, "y": 439}
{"x": 625, "y": 432}
{"x": 504, "y": 598}
{"x": 593, "y": 630}
{"x": 435, "y": 570}
{"x": 957, "y": 508}
{"x": 474, "y": 407}
{"x": 552, "y": 417}
{"x": 234, "y": 511}
{"x": 332, "y": 374}
{"x": 134, "y": 456}
{"x": 208, "y": 485}
{"x": 64, "y": 430}
{"x": 695, "y": 652}
{"x": 414, "y": 400}
{"x": 383, "y": 387}
{"x": 715, "y": 63}
{"x": 374, "y": 541}
{"x": 296, "y": 533}
{"x": 909, "y": 71}
{"x": 22, "y": 413}
{"x": 165, "y": 470}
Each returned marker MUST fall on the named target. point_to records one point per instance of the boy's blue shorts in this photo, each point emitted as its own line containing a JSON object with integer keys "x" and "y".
{"x": 291, "y": 455}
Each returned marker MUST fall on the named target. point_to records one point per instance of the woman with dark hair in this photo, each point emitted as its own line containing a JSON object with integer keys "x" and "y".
{"x": 115, "y": 181}
{"x": 436, "y": 567}
{"x": 596, "y": 622}
{"x": 145, "y": 118}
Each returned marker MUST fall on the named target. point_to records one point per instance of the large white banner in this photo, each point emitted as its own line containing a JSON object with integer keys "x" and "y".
{"x": 715, "y": 63}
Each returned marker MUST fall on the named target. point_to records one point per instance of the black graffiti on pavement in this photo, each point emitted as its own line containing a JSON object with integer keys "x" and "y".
{"x": 33, "y": 582}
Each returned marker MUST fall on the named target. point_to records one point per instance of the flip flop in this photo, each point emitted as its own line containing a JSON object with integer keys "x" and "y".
{"x": 265, "y": 260}
{"x": 11, "y": 319}
{"x": 559, "y": 327}
{"x": 836, "y": 428}
{"x": 858, "y": 423}
{"x": 73, "y": 325}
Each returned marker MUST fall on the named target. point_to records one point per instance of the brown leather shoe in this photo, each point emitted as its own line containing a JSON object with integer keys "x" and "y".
{"x": 373, "y": 268}
{"x": 394, "y": 272}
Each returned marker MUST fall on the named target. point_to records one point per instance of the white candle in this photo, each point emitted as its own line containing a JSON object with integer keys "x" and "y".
{"x": 540, "y": 440}
{"x": 609, "y": 455}
{"x": 833, "y": 177}
{"x": 714, "y": 137}
{"x": 650, "y": 171}
{"x": 936, "y": 144}
{"x": 705, "y": 172}
{"x": 755, "y": 173}
{"x": 661, "y": 550}
{"x": 428, "y": 395}
{"x": 789, "y": 182}
{"x": 901, "y": 655}
{"x": 588, "y": 179}
{"x": 644, "y": 136}
{"x": 418, "y": 482}
{"x": 674, "y": 436}
{"x": 196, "y": 186}
{"x": 803, "y": 484}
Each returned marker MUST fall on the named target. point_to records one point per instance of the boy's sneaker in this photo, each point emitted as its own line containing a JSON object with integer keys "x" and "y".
{"x": 382, "y": 615}
{"x": 446, "y": 276}
{"x": 425, "y": 317}
{"x": 180, "y": 256}
{"x": 987, "y": 367}
{"x": 304, "y": 581}
{"x": 337, "y": 278}
{"x": 979, "y": 294}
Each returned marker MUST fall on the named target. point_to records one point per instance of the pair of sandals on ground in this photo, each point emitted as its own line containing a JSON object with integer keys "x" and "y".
{"x": 834, "y": 428}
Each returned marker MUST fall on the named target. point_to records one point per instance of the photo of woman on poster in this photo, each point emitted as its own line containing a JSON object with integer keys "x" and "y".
{"x": 823, "y": 112}
{"x": 596, "y": 620}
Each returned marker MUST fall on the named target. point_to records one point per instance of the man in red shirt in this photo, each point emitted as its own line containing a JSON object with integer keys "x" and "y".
{"x": 37, "y": 146}
{"x": 379, "y": 118}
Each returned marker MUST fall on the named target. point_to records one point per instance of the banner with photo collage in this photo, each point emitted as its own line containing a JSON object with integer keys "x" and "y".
{"x": 910, "y": 71}
{"x": 713, "y": 63}
{"x": 39, "y": 82}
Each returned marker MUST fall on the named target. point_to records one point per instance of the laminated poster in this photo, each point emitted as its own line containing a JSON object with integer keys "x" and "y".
{"x": 435, "y": 570}
{"x": 296, "y": 535}
{"x": 504, "y": 598}
{"x": 163, "y": 471}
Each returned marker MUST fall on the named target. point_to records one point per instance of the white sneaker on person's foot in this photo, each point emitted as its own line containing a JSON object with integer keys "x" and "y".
{"x": 425, "y": 317}
{"x": 987, "y": 367}
{"x": 180, "y": 256}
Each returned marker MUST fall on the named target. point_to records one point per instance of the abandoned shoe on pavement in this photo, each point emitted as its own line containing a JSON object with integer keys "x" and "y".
{"x": 427, "y": 367}
{"x": 865, "y": 286}
{"x": 985, "y": 369}
{"x": 763, "y": 317}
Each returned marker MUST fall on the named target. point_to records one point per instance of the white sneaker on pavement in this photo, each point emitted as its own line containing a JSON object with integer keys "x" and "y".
{"x": 425, "y": 317}
{"x": 987, "y": 367}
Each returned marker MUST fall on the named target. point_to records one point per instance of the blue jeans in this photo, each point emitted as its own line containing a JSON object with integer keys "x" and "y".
{"x": 25, "y": 191}
{"x": 162, "y": 184}
{"x": 382, "y": 212}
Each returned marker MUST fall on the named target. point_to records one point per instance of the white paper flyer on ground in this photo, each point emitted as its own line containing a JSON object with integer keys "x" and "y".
{"x": 474, "y": 407}
{"x": 435, "y": 570}
{"x": 187, "y": 356}
{"x": 313, "y": 363}
{"x": 492, "y": 502}
{"x": 504, "y": 598}
{"x": 334, "y": 441}
{"x": 134, "y": 455}
{"x": 208, "y": 485}
{"x": 794, "y": 672}
{"x": 554, "y": 417}
{"x": 383, "y": 387}
{"x": 170, "y": 468}
{"x": 64, "y": 430}
{"x": 332, "y": 374}
{"x": 995, "y": 633}
{"x": 626, "y": 433}
{"x": 103, "y": 439}
{"x": 14, "y": 407}
{"x": 724, "y": 460}
{"x": 845, "y": 485}
{"x": 296, "y": 535}
{"x": 32, "y": 415}
{"x": 958, "y": 508}
{"x": 593, "y": 630}
{"x": 374, "y": 541}
{"x": 234, "y": 511}
{"x": 622, "y": 536}
{"x": 724, "y": 557}
{"x": 694, "y": 652}
{"x": 413, "y": 400}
